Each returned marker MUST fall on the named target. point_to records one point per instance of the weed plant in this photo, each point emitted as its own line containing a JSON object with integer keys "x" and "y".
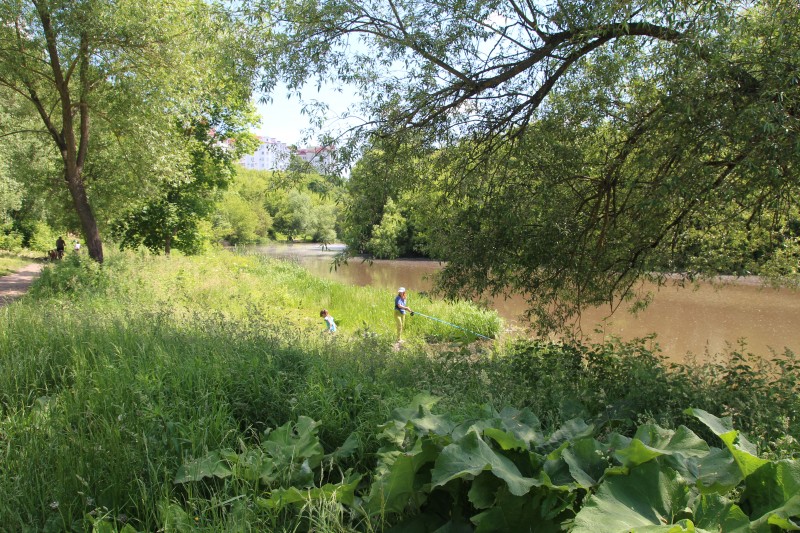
{"x": 113, "y": 377}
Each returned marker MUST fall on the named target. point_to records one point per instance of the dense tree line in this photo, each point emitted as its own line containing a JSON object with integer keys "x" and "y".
{"x": 296, "y": 204}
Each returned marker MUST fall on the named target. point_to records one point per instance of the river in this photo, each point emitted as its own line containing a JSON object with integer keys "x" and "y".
{"x": 700, "y": 320}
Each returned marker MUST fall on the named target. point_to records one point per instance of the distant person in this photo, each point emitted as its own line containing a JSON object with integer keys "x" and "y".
{"x": 77, "y": 246}
{"x": 400, "y": 309}
{"x": 329, "y": 323}
{"x": 60, "y": 247}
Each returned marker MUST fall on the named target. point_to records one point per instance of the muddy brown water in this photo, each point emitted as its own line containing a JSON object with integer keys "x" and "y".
{"x": 701, "y": 320}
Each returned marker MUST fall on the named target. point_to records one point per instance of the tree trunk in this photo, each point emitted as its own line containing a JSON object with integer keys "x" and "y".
{"x": 85, "y": 214}
{"x": 73, "y": 148}
{"x": 168, "y": 244}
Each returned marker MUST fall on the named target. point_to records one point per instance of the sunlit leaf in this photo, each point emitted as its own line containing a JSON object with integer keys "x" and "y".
{"x": 471, "y": 456}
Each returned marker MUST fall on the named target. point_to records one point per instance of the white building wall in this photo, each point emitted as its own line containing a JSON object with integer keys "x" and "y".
{"x": 270, "y": 155}
{"x": 275, "y": 155}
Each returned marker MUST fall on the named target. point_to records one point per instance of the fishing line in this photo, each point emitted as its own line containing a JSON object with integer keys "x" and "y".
{"x": 414, "y": 313}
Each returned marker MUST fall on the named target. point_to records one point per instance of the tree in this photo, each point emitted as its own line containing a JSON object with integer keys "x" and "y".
{"x": 296, "y": 216}
{"x": 390, "y": 234}
{"x": 92, "y": 65}
{"x": 173, "y": 216}
{"x": 388, "y": 170}
{"x": 580, "y": 142}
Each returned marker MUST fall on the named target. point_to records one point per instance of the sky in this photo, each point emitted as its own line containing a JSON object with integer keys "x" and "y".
{"x": 283, "y": 119}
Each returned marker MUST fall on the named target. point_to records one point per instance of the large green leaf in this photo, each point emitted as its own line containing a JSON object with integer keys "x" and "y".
{"x": 521, "y": 424}
{"x": 652, "y": 441}
{"x": 342, "y": 492}
{"x": 295, "y": 443}
{"x": 648, "y": 496}
{"x": 254, "y": 464}
{"x": 571, "y": 430}
{"x": 392, "y": 492}
{"x": 683, "y": 440}
{"x": 504, "y": 439}
{"x": 346, "y": 450}
{"x": 416, "y": 414}
{"x": 469, "y": 457}
{"x": 715, "y": 513}
{"x": 587, "y": 460}
{"x": 423, "y": 401}
{"x": 540, "y": 511}
{"x": 212, "y": 465}
{"x": 785, "y": 517}
{"x": 717, "y": 472}
{"x": 744, "y": 453}
{"x": 773, "y": 492}
{"x": 483, "y": 492}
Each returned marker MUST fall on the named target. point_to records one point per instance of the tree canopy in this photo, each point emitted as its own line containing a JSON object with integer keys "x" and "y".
{"x": 108, "y": 82}
{"x": 580, "y": 145}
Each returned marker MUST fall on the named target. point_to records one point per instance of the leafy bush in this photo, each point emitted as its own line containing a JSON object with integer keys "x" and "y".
{"x": 43, "y": 238}
{"x": 74, "y": 274}
{"x": 11, "y": 241}
{"x": 502, "y": 472}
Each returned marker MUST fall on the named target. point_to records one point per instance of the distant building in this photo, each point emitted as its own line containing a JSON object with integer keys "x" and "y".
{"x": 275, "y": 155}
{"x": 321, "y": 157}
{"x": 271, "y": 155}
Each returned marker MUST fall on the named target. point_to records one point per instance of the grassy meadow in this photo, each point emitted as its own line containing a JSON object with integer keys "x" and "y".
{"x": 113, "y": 379}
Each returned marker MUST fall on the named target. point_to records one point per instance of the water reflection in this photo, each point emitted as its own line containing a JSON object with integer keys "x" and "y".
{"x": 702, "y": 320}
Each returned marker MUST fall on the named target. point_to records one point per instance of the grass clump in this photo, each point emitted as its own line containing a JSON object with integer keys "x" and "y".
{"x": 114, "y": 378}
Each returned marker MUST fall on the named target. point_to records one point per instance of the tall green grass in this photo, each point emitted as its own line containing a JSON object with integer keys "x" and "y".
{"x": 112, "y": 377}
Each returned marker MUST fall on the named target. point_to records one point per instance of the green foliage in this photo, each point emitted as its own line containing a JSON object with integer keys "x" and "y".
{"x": 11, "y": 241}
{"x": 238, "y": 222}
{"x": 121, "y": 140}
{"x": 174, "y": 217}
{"x": 43, "y": 238}
{"x": 389, "y": 234}
{"x": 579, "y": 147}
{"x": 114, "y": 377}
{"x": 503, "y": 472}
{"x": 386, "y": 174}
{"x": 296, "y": 216}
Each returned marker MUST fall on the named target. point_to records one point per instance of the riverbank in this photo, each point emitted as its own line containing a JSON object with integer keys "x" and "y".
{"x": 696, "y": 322}
{"x": 151, "y": 392}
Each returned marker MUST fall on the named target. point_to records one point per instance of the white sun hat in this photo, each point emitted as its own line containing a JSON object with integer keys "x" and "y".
{"x": 401, "y": 289}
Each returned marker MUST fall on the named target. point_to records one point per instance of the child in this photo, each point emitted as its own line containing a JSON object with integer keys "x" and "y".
{"x": 328, "y": 321}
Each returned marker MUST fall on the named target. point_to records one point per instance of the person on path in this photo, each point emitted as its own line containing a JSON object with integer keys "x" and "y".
{"x": 331, "y": 325}
{"x": 60, "y": 246}
{"x": 400, "y": 309}
{"x": 77, "y": 246}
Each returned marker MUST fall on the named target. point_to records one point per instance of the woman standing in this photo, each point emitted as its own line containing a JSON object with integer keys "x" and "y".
{"x": 400, "y": 309}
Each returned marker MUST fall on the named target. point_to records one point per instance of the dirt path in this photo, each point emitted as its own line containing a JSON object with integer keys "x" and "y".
{"x": 14, "y": 285}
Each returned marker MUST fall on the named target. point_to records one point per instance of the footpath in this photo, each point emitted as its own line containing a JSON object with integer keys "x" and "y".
{"x": 14, "y": 285}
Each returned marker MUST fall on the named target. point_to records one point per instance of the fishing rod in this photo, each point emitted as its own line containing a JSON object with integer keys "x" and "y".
{"x": 414, "y": 313}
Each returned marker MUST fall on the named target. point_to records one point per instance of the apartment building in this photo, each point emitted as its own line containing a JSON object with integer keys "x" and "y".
{"x": 275, "y": 155}
{"x": 270, "y": 155}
